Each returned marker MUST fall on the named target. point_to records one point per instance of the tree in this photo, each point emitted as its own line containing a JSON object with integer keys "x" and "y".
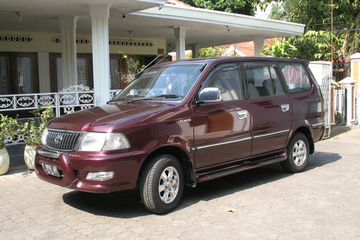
{"x": 247, "y": 7}
{"x": 313, "y": 45}
{"x": 210, "y": 52}
{"x": 316, "y": 15}
{"x": 309, "y": 12}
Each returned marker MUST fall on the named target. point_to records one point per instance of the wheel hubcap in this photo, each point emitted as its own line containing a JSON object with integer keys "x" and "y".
{"x": 299, "y": 153}
{"x": 169, "y": 184}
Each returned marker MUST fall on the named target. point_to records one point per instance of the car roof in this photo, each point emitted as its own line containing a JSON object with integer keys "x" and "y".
{"x": 217, "y": 60}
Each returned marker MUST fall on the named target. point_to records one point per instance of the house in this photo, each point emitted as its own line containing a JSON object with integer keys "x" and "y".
{"x": 47, "y": 46}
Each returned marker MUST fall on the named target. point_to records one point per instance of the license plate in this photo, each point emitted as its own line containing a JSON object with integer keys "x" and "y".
{"x": 50, "y": 169}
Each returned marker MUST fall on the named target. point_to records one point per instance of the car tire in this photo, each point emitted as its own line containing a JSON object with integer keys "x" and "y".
{"x": 298, "y": 154}
{"x": 162, "y": 184}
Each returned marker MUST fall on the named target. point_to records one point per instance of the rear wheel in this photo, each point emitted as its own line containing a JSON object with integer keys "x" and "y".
{"x": 298, "y": 154}
{"x": 162, "y": 184}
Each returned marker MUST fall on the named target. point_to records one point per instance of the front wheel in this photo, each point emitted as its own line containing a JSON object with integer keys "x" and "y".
{"x": 162, "y": 184}
{"x": 298, "y": 154}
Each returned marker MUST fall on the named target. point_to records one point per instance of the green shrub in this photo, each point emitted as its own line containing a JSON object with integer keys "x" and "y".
{"x": 33, "y": 129}
{"x": 9, "y": 127}
{"x": 339, "y": 118}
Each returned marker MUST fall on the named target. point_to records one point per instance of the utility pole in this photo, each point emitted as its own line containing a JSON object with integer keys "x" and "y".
{"x": 332, "y": 31}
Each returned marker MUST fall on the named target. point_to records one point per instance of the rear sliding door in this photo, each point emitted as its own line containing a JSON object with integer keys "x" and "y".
{"x": 269, "y": 106}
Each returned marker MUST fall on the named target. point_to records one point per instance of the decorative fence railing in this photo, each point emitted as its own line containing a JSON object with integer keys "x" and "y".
{"x": 62, "y": 103}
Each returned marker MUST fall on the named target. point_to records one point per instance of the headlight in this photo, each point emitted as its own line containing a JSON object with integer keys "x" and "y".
{"x": 103, "y": 142}
{"x": 44, "y": 136}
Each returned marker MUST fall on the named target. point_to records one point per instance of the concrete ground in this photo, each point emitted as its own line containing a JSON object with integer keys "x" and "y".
{"x": 321, "y": 203}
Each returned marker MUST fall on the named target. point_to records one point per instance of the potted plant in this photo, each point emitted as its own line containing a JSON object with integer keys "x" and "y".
{"x": 32, "y": 131}
{"x": 9, "y": 128}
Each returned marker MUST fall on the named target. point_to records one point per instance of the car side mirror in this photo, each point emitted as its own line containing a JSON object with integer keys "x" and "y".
{"x": 209, "y": 94}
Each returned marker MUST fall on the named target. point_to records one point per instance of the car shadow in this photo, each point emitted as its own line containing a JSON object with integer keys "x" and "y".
{"x": 128, "y": 204}
{"x": 125, "y": 204}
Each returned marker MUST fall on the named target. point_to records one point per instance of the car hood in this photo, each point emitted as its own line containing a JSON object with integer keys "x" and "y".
{"x": 109, "y": 117}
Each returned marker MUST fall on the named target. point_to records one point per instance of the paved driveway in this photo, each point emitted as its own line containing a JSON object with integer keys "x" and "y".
{"x": 321, "y": 203}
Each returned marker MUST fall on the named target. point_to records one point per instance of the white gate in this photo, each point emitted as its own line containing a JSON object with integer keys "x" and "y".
{"x": 322, "y": 72}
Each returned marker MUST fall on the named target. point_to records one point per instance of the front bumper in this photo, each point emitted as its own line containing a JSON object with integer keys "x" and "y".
{"x": 74, "y": 166}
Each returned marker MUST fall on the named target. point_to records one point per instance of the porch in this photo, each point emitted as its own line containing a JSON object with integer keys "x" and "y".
{"x": 68, "y": 43}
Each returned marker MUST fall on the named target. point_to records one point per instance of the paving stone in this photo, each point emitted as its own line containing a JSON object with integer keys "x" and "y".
{"x": 266, "y": 203}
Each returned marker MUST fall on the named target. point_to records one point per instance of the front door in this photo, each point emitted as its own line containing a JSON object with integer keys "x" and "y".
{"x": 222, "y": 129}
{"x": 18, "y": 73}
{"x": 269, "y": 106}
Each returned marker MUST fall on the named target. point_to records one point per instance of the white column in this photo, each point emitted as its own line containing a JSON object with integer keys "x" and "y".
{"x": 195, "y": 50}
{"x": 100, "y": 52}
{"x": 180, "y": 34}
{"x": 68, "y": 51}
{"x": 258, "y": 46}
{"x": 340, "y": 98}
{"x": 357, "y": 105}
{"x": 355, "y": 74}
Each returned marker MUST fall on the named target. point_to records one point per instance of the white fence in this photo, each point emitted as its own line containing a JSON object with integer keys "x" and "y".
{"x": 62, "y": 102}
{"x": 339, "y": 101}
{"x": 322, "y": 72}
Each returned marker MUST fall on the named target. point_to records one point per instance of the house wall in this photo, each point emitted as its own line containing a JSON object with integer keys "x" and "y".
{"x": 45, "y": 43}
{"x": 50, "y": 42}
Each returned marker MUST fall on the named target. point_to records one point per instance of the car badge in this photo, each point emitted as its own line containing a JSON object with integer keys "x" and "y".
{"x": 58, "y": 139}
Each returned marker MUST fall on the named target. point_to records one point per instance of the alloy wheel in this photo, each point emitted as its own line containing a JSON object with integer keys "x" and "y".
{"x": 169, "y": 185}
{"x": 299, "y": 153}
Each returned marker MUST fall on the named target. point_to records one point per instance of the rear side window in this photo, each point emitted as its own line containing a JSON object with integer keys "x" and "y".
{"x": 262, "y": 80}
{"x": 296, "y": 77}
{"x": 227, "y": 79}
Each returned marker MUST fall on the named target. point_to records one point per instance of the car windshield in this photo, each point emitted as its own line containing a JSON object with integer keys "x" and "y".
{"x": 171, "y": 82}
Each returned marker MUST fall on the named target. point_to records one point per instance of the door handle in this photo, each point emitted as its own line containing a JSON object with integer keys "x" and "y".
{"x": 242, "y": 114}
{"x": 285, "y": 107}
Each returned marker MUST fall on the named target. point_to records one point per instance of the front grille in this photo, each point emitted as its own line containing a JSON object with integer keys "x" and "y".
{"x": 62, "y": 140}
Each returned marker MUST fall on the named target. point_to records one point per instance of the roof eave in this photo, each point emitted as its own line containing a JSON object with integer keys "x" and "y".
{"x": 281, "y": 28}
{"x": 158, "y": 2}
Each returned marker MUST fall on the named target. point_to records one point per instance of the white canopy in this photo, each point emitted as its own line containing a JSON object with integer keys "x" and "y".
{"x": 145, "y": 18}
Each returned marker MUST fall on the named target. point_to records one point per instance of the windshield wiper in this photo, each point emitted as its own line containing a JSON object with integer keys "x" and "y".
{"x": 122, "y": 99}
{"x": 131, "y": 98}
{"x": 168, "y": 96}
{"x": 115, "y": 100}
{"x": 155, "y": 97}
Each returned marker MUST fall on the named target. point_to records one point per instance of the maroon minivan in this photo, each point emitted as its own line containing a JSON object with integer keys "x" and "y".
{"x": 186, "y": 122}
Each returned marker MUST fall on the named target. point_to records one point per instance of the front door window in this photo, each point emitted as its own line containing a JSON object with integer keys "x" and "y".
{"x": 82, "y": 71}
{"x": 59, "y": 75}
{"x": 24, "y": 74}
{"x": 18, "y": 73}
